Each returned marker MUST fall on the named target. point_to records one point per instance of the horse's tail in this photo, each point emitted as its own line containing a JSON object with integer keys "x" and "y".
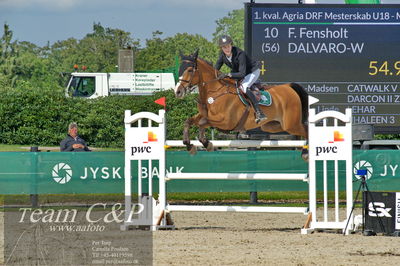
{"x": 304, "y": 99}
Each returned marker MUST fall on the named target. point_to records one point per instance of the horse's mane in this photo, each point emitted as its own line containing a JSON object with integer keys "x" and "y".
{"x": 208, "y": 63}
{"x": 192, "y": 59}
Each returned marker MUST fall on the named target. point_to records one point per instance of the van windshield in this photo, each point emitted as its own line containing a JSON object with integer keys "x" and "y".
{"x": 82, "y": 87}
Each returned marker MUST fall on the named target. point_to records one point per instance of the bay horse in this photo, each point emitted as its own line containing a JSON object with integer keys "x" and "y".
{"x": 219, "y": 105}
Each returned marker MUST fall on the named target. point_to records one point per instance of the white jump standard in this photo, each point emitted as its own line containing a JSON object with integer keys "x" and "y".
{"x": 148, "y": 143}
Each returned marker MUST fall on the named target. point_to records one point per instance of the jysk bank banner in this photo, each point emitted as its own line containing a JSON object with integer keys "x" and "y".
{"x": 383, "y": 168}
{"x": 44, "y": 173}
{"x": 103, "y": 172}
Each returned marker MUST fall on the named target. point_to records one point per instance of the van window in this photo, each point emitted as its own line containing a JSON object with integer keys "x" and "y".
{"x": 82, "y": 86}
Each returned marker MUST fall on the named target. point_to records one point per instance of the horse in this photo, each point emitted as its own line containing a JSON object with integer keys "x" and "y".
{"x": 219, "y": 105}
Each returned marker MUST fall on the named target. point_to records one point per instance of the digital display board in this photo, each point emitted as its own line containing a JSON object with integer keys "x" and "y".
{"x": 347, "y": 56}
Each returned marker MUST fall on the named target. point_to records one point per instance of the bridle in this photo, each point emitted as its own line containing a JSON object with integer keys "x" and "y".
{"x": 190, "y": 87}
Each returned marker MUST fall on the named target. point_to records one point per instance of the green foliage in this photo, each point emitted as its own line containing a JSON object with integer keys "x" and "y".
{"x": 98, "y": 51}
{"x": 232, "y": 25}
{"x": 389, "y": 136}
{"x": 30, "y": 116}
{"x": 22, "y": 62}
{"x": 8, "y": 58}
{"x": 33, "y": 116}
{"x": 160, "y": 53}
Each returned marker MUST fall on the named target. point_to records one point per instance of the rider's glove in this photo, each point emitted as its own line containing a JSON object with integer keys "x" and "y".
{"x": 223, "y": 75}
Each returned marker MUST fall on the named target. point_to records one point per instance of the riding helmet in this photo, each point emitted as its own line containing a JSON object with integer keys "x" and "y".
{"x": 224, "y": 40}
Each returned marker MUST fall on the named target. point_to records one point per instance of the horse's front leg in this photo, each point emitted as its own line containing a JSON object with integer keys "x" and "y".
{"x": 203, "y": 139}
{"x": 186, "y": 136}
{"x": 304, "y": 153}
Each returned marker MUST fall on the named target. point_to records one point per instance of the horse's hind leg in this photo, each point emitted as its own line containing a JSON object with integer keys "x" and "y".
{"x": 301, "y": 130}
{"x": 292, "y": 121}
{"x": 202, "y": 138}
{"x": 272, "y": 127}
{"x": 296, "y": 127}
{"x": 304, "y": 151}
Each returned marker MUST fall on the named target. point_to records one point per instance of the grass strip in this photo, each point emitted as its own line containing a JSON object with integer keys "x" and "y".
{"x": 288, "y": 196}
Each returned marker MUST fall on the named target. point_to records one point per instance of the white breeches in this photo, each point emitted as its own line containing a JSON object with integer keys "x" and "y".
{"x": 249, "y": 80}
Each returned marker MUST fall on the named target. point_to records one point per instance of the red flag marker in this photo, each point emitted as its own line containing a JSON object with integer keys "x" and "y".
{"x": 161, "y": 101}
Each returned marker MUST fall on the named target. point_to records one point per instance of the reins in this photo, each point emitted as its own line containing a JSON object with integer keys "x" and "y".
{"x": 203, "y": 84}
{"x": 203, "y": 100}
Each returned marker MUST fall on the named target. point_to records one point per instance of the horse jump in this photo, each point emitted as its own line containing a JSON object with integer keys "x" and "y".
{"x": 326, "y": 143}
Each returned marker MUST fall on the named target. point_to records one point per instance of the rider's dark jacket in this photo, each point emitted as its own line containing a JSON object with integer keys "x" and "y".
{"x": 241, "y": 64}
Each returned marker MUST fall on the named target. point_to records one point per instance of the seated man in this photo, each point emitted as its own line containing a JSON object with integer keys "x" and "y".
{"x": 73, "y": 142}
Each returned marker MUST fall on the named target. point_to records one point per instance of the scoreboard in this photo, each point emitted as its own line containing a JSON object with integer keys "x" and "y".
{"x": 347, "y": 56}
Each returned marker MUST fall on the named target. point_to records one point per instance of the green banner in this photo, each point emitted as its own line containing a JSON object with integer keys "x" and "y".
{"x": 237, "y": 162}
{"x": 61, "y": 172}
{"x": 103, "y": 172}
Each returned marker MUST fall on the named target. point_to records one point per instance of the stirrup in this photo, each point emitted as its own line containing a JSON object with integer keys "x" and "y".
{"x": 260, "y": 117}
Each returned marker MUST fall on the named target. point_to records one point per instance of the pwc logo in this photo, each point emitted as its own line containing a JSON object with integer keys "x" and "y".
{"x": 151, "y": 137}
{"x": 337, "y": 137}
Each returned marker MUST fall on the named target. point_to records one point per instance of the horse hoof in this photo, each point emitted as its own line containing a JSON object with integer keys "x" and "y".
{"x": 304, "y": 155}
{"x": 192, "y": 150}
{"x": 210, "y": 147}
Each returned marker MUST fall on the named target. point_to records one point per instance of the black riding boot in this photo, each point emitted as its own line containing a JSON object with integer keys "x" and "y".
{"x": 259, "y": 114}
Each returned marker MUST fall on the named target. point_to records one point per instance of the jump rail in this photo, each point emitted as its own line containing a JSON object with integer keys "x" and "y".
{"x": 197, "y": 208}
{"x": 242, "y": 143}
{"x": 236, "y": 176}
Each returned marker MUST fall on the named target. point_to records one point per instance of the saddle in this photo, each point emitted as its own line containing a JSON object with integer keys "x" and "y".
{"x": 262, "y": 96}
{"x": 261, "y": 93}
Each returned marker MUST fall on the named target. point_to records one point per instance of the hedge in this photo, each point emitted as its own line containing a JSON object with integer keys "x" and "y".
{"x": 41, "y": 116}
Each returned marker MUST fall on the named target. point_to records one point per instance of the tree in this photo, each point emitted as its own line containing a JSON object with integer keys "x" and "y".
{"x": 8, "y": 57}
{"x": 98, "y": 51}
{"x": 24, "y": 63}
{"x": 161, "y": 53}
{"x": 232, "y": 25}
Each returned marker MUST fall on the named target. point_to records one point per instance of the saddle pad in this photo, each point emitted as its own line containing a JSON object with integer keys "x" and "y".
{"x": 241, "y": 97}
{"x": 265, "y": 99}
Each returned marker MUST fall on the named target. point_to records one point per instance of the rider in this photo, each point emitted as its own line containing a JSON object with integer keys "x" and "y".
{"x": 242, "y": 67}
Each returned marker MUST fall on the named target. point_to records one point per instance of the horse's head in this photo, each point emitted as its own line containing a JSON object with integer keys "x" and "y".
{"x": 188, "y": 75}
